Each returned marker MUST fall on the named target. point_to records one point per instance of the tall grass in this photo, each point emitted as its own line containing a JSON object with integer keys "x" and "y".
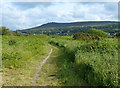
{"x": 98, "y": 61}
{"x": 95, "y": 61}
{"x": 17, "y": 50}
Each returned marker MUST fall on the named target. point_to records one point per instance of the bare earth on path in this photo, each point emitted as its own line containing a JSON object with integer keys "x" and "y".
{"x": 41, "y": 65}
{"x": 47, "y": 69}
{"x": 47, "y": 76}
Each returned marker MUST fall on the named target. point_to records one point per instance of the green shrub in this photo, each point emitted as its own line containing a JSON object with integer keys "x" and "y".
{"x": 85, "y": 36}
{"x": 96, "y": 68}
{"x": 118, "y": 35}
{"x": 18, "y": 33}
{"x": 12, "y": 42}
{"x": 5, "y": 31}
{"x": 97, "y": 62}
{"x": 104, "y": 46}
{"x": 99, "y": 33}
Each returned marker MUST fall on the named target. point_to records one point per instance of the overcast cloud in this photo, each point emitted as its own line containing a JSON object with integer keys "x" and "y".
{"x": 22, "y": 15}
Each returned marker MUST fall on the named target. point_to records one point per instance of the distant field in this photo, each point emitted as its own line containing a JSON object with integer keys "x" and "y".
{"x": 93, "y": 61}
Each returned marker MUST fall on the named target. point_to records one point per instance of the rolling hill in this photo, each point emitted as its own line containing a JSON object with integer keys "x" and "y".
{"x": 54, "y": 28}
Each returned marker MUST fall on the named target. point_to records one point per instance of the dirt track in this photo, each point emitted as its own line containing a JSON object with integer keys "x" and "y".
{"x": 41, "y": 65}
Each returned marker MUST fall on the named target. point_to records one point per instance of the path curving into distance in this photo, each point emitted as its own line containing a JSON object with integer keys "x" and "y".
{"x": 40, "y": 66}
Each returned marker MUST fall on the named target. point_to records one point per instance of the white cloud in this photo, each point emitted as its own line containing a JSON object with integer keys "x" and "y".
{"x": 28, "y": 16}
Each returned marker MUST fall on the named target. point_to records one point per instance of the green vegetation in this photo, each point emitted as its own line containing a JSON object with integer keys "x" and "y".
{"x": 99, "y": 33}
{"x": 85, "y": 36}
{"x": 5, "y": 31}
{"x": 93, "y": 34}
{"x": 74, "y": 27}
{"x": 97, "y": 62}
{"x": 94, "y": 61}
{"x": 81, "y": 59}
{"x": 19, "y": 49}
{"x": 118, "y": 35}
{"x": 18, "y": 33}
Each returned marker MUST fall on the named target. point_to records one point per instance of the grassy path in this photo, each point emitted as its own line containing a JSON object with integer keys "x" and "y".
{"x": 24, "y": 75}
{"x": 48, "y": 74}
{"x": 56, "y": 71}
{"x": 41, "y": 65}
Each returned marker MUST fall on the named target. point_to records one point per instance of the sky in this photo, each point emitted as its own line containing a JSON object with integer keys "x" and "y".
{"x": 23, "y": 15}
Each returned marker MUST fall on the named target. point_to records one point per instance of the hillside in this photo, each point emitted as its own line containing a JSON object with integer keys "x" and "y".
{"x": 73, "y": 27}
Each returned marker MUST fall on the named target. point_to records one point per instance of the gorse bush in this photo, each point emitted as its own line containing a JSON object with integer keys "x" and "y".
{"x": 85, "y": 36}
{"x": 93, "y": 34}
{"x": 99, "y": 33}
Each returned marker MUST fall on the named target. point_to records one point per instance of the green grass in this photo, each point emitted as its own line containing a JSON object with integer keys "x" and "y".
{"x": 17, "y": 50}
{"x": 74, "y": 62}
{"x": 21, "y": 58}
{"x": 66, "y": 72}
{"x": 96, "y": 61}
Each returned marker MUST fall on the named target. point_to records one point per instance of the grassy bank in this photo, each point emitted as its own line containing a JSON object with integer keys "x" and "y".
{"x": 95, "y": 61}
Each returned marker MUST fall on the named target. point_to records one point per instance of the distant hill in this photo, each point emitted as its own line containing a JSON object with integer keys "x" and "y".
{"x": 73, "y": 27}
